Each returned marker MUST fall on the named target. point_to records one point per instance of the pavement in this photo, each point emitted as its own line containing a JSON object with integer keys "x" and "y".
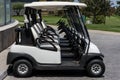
{"x": 3, "y": 66}
{"x": 107, "y": 42}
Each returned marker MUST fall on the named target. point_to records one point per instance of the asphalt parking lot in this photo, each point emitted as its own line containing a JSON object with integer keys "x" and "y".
{"x": 109, "y": 45}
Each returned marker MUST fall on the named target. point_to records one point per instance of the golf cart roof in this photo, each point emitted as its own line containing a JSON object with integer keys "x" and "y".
{"x": 53, "y": 5}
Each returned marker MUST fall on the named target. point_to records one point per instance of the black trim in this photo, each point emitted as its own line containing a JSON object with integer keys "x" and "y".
{"x": 17, "y": 56}
{"x": 57, "y": 67}
{"x": 83, "y": 62}
{"x": 11, "y": 57}
{"x": 90, "y": 56}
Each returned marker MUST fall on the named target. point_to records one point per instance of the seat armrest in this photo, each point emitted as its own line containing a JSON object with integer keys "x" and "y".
{"x": 38, "y": 41}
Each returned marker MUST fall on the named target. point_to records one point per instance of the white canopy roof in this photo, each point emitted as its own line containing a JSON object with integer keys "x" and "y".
{"x": 53, "y": 5}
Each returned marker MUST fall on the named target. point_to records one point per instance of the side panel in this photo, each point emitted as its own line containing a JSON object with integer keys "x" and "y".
{"x": 40, "y": 55}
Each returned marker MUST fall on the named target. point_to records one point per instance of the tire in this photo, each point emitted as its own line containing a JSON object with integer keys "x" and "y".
{"x": 95, "y": 68}
{"x": 22, "y": 68}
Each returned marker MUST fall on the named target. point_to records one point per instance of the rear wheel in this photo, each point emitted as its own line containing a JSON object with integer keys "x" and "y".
{"x": 95, "y": 68}
{"x": 22, "y": 68}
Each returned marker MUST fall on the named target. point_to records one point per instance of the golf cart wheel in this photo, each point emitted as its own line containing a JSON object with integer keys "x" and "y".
{"x": 22, "y": 68}
{"x": 95, "y": 68}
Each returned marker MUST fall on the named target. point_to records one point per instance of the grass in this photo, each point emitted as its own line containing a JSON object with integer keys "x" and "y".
{"x": 52, "y": 19}
{"x": 19, "y": 18}
{"x": 112, "y": 23}
{"x": 48, "y": 19}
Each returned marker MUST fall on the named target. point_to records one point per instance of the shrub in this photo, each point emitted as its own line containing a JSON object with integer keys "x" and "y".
{"x": 100, "y": 19}
{"x": 17, "y": 7}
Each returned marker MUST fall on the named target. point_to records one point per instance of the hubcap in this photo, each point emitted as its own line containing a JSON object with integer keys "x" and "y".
{"x": 22, "y": 68}
{"x": 96, "y": 68}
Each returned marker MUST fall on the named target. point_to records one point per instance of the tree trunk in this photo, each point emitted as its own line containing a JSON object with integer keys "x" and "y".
{"x": 94, "y": 18}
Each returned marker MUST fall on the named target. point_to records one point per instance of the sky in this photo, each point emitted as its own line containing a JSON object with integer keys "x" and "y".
{"x": 115, "y": 3}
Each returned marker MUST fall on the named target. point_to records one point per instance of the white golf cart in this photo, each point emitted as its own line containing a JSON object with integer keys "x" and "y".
{"x": 39, "y": 46}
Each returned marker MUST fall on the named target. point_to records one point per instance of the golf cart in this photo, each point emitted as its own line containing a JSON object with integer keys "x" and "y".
{"x": 41, "y": 47}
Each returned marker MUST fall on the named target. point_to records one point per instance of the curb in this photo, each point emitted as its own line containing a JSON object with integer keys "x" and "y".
{"x": 3, "y": 75}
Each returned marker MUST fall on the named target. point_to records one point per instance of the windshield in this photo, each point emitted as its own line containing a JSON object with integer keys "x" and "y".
{"x": 75, "y": 20}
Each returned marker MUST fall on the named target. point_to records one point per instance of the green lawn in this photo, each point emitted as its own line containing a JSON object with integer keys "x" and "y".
{"x": 48, "y": 19}
{"x": 52, "y": 19}
{"x": 19, "y": 18}
{"x": 112, "y": 23}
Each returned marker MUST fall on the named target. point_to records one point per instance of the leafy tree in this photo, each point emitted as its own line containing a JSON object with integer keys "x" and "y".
{"x": 112, "y": 11}
{"x": 17, "y": 7}
{"x": 118, "y": 2}
{"x": 118, "y": 9}
{"x": 97, "y": 9}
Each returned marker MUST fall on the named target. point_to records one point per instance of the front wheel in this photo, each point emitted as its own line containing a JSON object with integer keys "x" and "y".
{"x": 95, "y": 68}
{"x": 22, "y": 68}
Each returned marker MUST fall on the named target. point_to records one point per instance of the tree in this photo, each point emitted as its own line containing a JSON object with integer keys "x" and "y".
{"x": 118, "y": 2}
{"x": 99, "y": 9}
{"x": 112, "y": 11}
{"x": 118, "y": 9}
{"x": 17, "y": 7}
